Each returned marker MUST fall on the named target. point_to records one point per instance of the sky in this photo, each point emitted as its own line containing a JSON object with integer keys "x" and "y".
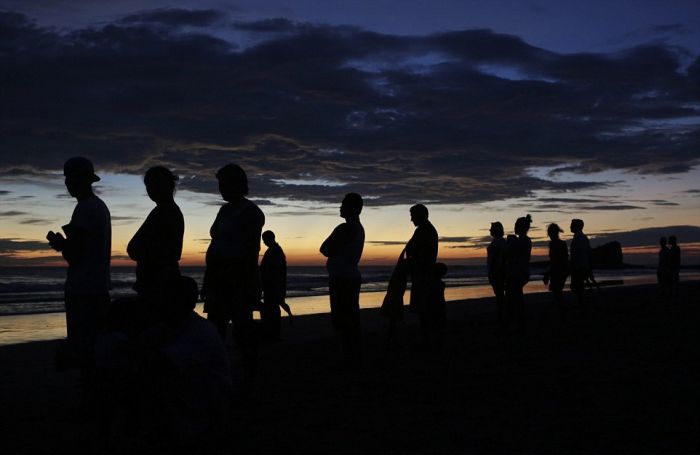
{"x": 481, "y": 110}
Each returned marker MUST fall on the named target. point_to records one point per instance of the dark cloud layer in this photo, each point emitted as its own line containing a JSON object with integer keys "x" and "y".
{"x": 175, "y": 17}
{"x": 11, "y": 246}
{"x": 649, "y": 237}
{"x": 445, "y": 118}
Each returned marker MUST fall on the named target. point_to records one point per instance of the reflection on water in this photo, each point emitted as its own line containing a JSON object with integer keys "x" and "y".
{"x": 48, "y": 326}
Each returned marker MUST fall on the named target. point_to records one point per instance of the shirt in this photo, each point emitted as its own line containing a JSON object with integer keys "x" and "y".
{"x": 344, "y": 249}
{"x": 273, "y": 268}
{"x": 580, "y": 252}
{"x": 157, "y": 245}
{"x": 235, "y": 233}
{"x": 90, "y": 233}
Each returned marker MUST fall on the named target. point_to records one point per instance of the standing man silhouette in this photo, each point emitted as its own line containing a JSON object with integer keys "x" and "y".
{"x": 343, "y": 248}
{"x": 580, "y": 261}
{"x": 518, "y": 251}
{"x": 421, "y": 253}
{"x": 558, "y": 267}
{"x": 495, "y": 263}
{"x": 663, "y": 270}
{"x": 86, "y": 248}
{"x": 273, "y": 272}
{"x": 674, "y": 261}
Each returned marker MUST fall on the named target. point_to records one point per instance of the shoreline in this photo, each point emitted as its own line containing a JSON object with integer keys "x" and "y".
{"x": 31, "y": 327}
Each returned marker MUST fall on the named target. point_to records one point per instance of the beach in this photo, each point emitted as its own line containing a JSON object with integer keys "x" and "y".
{"x": 621, "y": 376}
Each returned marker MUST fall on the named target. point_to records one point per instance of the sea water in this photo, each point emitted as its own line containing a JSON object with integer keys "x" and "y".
{"x": 31, "y": 298}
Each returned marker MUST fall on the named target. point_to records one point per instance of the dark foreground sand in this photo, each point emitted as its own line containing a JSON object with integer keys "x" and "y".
{"x": 623, "y": 378}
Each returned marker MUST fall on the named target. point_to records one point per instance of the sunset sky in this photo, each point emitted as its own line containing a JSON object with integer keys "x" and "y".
{"x": 481, "y": 110}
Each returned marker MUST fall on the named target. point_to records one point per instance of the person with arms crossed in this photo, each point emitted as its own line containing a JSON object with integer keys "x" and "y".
{"x": 343, "y": 248}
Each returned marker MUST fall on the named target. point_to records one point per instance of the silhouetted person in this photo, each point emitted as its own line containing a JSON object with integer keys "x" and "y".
{"x": 421, "y": 253}
{"x": 343, "y": 248}
{"x": 518, "y": 249}
{"x": 86, "y": 248}
{"x": 581, "y": 268}
{"x": 231, "y": 280}
{"x": 157, "y": 245}
{"x": 392, "y": 305}
{"x": 181, "y": 377}
{"x": 434, "y": 318}
{"x": 495, "y": 263}
{"x": 558, "y": 267}
{"x": 273, "y": 271}
{"x": 674, "y": 261}
{"x": 663, "y": 270}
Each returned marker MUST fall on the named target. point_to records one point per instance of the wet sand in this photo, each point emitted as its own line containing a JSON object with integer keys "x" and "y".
{"x": 622, "y": 377}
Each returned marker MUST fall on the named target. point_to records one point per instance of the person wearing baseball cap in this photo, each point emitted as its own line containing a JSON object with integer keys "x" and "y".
{"x": 86, "y": 247}
{"x": 81, "y": 168}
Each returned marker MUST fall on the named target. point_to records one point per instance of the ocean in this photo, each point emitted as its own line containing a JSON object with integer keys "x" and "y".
{"x": 31, "y": 290}
{"x": 31, "y": 298}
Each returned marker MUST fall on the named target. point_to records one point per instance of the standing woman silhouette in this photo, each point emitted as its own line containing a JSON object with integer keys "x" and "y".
{"x": 231, "y": 280}
{"x": 518, "y": 249}
{"x": 157, "y": 245}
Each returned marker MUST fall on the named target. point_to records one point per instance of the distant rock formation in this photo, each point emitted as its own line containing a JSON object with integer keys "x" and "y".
{"x": 607, "y": 256}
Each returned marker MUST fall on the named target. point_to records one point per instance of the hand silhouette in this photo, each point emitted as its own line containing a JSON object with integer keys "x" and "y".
{"x": 56, "y": 240}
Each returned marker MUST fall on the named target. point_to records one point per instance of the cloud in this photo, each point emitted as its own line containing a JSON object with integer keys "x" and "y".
{"x": 649, "y": 237}
{"x": 656, "y": 31}
{"x": 12, "y": 213}
{"x": 471, "y": 242}
{"x": 11, "y": 260}
{"x": 175, "y": 17}
{"x": 455, "y": 239}
{"x": 567, "y": 200}
{"x": 5, "y": 192}
{"x": 611, "y": 207}
{"x": 37, "y": 221}
{"x": 124, "y": 218}
{"x": 11, "y": 245}
{"x": 665, "y": 203}
{"x": 453, "y": 117}
{"x": 386, "y": 242}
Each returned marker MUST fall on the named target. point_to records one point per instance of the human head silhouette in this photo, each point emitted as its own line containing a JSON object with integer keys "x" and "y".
{"x": 662, "y": 242}
{"x": 553, "y": 231}
{"x": 496, "y": 229}
{"x": 672, "y": 240}
{"x": 233, "y": 182}
{"x": 180, "y": 295}
{"x": 268, "y": 238}
{"x": 79, "y": 176}
{"x": 351, "y": 207}
{"x": 522, "y": 225}
{"x": 160, "y": 183}
{"x": 576, "y": 225}
{"x": 419, "y": 214}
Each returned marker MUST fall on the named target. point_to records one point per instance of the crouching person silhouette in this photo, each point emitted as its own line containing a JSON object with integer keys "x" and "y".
{"x": 178, "y": 389}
